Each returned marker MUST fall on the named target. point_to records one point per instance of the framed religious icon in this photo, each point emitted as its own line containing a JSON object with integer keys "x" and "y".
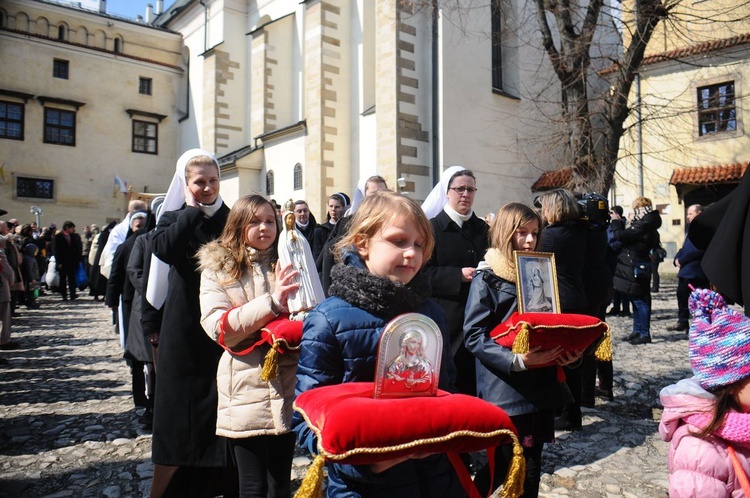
{"x": 536, "y": 282}
{"x": 409, "y": 354}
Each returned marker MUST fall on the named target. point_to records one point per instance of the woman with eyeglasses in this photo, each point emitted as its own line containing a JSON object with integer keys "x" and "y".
{"x": 461, "y": 239}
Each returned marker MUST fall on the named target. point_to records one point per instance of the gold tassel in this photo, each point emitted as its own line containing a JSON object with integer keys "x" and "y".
{"x": 513, "y": 487}
{"x": 312, "y": 484}
{"x": 604, "y": 350}
{"x": 521, "y": 342}
{"x": 270, "y": 365}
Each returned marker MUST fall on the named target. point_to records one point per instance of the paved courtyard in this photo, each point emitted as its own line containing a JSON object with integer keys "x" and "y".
{"x": 68, "y": 428}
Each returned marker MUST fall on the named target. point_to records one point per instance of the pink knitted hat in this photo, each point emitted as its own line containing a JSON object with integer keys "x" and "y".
{"x": 719, "y": 341}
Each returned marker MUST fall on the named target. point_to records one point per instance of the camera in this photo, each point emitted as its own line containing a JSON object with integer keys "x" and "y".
{"x": 594, "y": 209}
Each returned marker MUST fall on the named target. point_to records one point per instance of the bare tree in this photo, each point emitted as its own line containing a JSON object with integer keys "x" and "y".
{"x": 595, "y": 83}
{"x": 594, "y": 134}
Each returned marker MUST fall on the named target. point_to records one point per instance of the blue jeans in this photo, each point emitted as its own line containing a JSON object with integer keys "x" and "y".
{"x": 642, "y": 315}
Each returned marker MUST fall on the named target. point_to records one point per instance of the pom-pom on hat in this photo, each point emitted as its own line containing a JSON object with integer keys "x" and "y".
{"x": 719, "y": 341}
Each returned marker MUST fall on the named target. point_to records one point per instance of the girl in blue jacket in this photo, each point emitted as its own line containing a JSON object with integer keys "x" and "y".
{"x": 377, "y": 279}
{"x": 529, "y": 395}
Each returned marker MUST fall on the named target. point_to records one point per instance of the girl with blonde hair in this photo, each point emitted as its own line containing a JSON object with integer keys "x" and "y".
{"x": 529, "y": 395}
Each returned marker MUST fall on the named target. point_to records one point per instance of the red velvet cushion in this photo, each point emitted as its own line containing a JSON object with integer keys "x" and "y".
{"x": 280, "y": 333}
{"x": 548, "y": 330}
{"x": 353, "y": 427}
{"x": 283, "y": 334}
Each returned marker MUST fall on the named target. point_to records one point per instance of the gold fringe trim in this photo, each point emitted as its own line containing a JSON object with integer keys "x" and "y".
{"x": 513, "y": 486}
{"x": 521, "y": 342}
{"x": 270, "y": 365}
{"x": 398, "y": 447}
{"x": 312, "y": 484}
{"x": 604, "y": 350}
{"x": 527, "y": 326}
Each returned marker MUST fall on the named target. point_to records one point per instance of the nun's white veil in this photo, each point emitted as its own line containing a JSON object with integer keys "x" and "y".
{"x": 438, "y": 197}
{"x": 158, "y": 277}
{"x": 359, "y": 195}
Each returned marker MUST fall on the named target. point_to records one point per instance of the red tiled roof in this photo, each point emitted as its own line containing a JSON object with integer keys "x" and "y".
{"x": 698, "y": 175}
{"x": 553, "y": 179}
{"x": 700, "y": 48}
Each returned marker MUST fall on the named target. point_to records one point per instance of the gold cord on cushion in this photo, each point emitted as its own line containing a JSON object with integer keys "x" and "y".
{"x": 270, "y": 365}
{"x": 271, "y": 362}
{"x": 604, "y": 350}
{"x": 521, "y": 342}
{"x": 513, "y": 486}
{"x": 312, "y": 484}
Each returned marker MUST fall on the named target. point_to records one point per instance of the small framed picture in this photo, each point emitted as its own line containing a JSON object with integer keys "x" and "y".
{"x": 409, "y": 356}
{"x": 536, "y": 282}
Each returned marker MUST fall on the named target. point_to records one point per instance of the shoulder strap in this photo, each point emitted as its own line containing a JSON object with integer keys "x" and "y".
{"x": 465, "y": 477}
{"x": 739, "y": 471}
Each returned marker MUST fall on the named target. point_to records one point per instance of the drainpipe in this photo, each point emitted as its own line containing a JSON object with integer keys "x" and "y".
{"x": 638, "y": 120}
{"x": 435, "y": 94}
{"x": 187, "y": 94}
{"x": 205, "y": 24}
{"x": 639, "y": 133}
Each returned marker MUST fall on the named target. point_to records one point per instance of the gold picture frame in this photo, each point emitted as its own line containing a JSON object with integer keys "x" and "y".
{"x": 536, "y": 282}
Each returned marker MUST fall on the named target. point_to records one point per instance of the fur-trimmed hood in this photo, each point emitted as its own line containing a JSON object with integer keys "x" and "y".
{"x": 217, "y": 258}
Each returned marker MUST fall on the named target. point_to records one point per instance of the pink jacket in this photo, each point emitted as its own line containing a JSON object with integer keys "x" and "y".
{"x": 701, "y": 467}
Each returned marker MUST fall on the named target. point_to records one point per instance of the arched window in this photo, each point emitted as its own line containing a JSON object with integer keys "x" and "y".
{"x": 82, "y": 35}
{"x": 22, "y": 22}
{"x": 269, "y": 183}
{"x": 42, "y": 26}
{"x": 298, "y": 176}
{"x": 118, "y": 46}
{"x": 61, "y": 32}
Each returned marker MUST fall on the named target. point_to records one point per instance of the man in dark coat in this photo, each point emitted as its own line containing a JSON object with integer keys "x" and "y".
{"x": 688, "y": 260}
{"x": 305, "y": 220}
{"x": 68, "y": 249}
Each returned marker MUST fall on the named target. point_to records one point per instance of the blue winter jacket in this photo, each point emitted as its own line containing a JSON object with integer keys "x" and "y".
{"x": 340, "y": 344}
{"x": 690, "y": 258}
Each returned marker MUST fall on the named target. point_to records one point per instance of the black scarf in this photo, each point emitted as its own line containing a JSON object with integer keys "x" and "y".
{"x": 378, "y": 295}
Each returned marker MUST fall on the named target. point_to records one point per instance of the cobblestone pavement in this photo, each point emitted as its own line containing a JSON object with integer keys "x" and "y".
{"x": 68, "y": 427}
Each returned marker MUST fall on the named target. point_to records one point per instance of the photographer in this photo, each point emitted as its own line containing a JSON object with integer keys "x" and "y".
{"x": 633, "y": 271}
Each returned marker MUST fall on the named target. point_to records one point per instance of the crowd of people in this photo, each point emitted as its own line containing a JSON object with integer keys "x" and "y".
{"x": 35, "y": 261}
{"x": 191, "y": 284}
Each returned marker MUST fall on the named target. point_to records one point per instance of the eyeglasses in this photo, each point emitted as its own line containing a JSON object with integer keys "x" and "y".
{"x": 461, "y": 190}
